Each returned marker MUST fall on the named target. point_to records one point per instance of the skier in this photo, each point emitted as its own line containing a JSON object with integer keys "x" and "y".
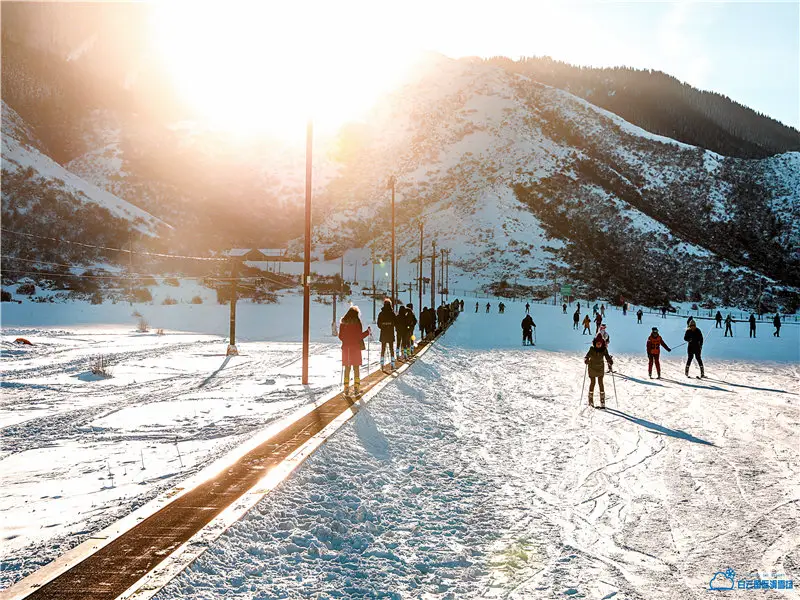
{"x": 527, "y": 308}
{"x": 598, "y": 319}
{"x": 663, "y": 312}
{"x": 728, "y": 329}
{"x": 624, "y": 309}
{"x": 564, "y": 308}
{"x": 594, "y": 362}
{"x": 639, "y": 314}
{"x": 386, "y": 320}
{"x": 718, "y": 319}
{"x": 654, "y": 343}
{"x": 527, "y": 330}
{"x": 476, "y": 307}
{"x": 694, "y": 337}
{"x": 587, "y": 324}
{"x": 461, "y": 305}
{"x": 576, "y": 318}
{"x": 603, "y": 310}
{"x": 752, "y": 325}
{"x": 352, "y": 337}
{"x": 776, "y": 320}
{"x": 488, "y": 306}
{"x": 501, "y": 308}
{"x": 690, "y": 320}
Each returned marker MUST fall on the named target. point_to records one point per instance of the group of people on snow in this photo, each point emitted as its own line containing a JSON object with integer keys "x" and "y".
{"x": 729, "y": 320}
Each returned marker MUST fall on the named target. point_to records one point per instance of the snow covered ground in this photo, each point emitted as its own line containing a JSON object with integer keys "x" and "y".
{"x": 479, "y": 473}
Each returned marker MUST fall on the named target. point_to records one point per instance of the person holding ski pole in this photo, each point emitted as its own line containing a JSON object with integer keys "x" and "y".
{"x": 386, "y": 320}
{"x": 587, "y": 324}
{"x": 527, "y": 330}
{"x": 654, "y": 343}
{"x": 352, "y": 337}
{"x": 718, "y": 319}
{"x": 776, "y": 320}
{"x": 594, "y": 361}
{"x": 728, "y": 321}
{"x": 752, "y": 325}
{"x": 694, "y": 347}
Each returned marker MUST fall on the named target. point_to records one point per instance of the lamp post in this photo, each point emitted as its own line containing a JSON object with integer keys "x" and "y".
{"x": 392, "y": 182}
{"x": 421, "y": 230}
{"x": 307, "y": 251}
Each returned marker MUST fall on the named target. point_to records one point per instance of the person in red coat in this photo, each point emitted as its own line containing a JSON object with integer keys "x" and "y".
{"x": 654, "y": 343}
{"x": 352, "y": 337}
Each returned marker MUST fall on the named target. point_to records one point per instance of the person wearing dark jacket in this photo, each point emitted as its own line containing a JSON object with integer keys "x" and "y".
{"x": 576, "y": 318}
{"x": 527, "y": 330}
{"x": 564, "y": 308}
{"x": 488, "y": 306}
{"x": 598, "y": 320}
{"x": 776, "y": 320}
{"x": 410, "y": 324}
{"x": 728, "y": 329}
{"x": 461, "y": 305}
{"x": 654, "y": 343}
{"x": 476, "y": 307}
{"x": 718, "y": 319}
{"x": 639, "y": 314}
{"x": 694, "y": 348}
{"x": 352, "y": 337}
{"x": 386, "y": 320}
{"x": 400, "y": 331}
{"x": 596, "y": 369}
{"x": 752, "y": 325}
{"x": 527, "y": 308}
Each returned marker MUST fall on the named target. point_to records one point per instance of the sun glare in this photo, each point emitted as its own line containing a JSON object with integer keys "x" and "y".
{"x": 266, "y": 67}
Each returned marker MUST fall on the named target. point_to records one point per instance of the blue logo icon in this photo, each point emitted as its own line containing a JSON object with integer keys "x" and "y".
{"x": 722, "y": 580}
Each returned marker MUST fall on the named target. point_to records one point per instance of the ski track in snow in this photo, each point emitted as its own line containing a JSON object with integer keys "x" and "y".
{"x": 482, "y": 474}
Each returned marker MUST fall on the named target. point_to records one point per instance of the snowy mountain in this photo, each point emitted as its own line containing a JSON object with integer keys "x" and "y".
{"x": 522, "y": 180}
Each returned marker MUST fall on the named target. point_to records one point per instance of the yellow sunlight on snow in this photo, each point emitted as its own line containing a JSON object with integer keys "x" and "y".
{"x": 266, "y": 67}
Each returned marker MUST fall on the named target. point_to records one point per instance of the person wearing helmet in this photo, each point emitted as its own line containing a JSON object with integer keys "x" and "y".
{"x": 594, "y": 364}
{"x": 694, "y": 339}
{"x": 654, "y": 343}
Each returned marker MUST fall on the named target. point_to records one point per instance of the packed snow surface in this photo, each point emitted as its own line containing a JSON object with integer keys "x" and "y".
{"x": 480, "y": 472}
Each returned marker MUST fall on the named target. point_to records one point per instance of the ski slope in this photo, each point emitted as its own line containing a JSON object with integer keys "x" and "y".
{"x": 481, "y": 473}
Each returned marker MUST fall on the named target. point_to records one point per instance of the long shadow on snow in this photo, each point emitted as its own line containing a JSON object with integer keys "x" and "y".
{"x": 751, "y": 387}
{"x": 642, "y": 381}
{"x": 214, "y": 374}
{"x": 659, "y": 429}
{"x": 699, "y": 387}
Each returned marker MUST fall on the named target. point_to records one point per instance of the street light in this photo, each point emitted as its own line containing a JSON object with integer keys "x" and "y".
{"x": 307, "y": 250}
{"x": 392, "y": 182}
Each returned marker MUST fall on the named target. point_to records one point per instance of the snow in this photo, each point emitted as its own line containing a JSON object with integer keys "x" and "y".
{"x": 478, "y": 473}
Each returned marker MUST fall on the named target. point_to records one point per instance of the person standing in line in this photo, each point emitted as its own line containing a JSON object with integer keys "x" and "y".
{"x": 718, "y": 319}
{"x": 639, "y": 314}
{"x": 694, "y": 348}
{"x": 399, "y": 331}
{"x": 587, "y": 324}
{"x": 410, "y": 325}
{"x": 352, "y": 337}
{"x": 386, "y": 320}
{"x": 728, "y": 322}
{"x": 654, "y": 343}
{"x": 594, "y": 363}
{"x": 752, "y": 325}
{"x": 776, "y": 320}
{"x": 576, "y": 319}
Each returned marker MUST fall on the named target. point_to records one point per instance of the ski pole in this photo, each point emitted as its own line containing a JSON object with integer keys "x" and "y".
{"x": 534, "y": 336}
{"x": 584, "y": 385}
{"x": 678, "y": 346}
{"x": 614, "y": 383}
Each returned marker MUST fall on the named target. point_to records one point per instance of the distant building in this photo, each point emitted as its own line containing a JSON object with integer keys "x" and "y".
{"x": 249, "y": 254}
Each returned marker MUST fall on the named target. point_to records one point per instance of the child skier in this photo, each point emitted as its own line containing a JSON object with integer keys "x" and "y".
{"x": 654, "y": 343}
{"x": 594, "y": 363}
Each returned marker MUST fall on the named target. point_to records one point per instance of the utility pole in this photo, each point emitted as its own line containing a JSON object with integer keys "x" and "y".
{"x": 421, "y": 230}
{"x": 232, "y": 351}
{"x": 448, "y": 274}
{"x": 441, "y": 279}
{"x": 355, "y": 272}
{"x": 433, "y": 276}
{"x": 307, "y": 249}
{"x": 130, "y": 268}
{"x": 333, "y": 323}
{"x": 341, "y": 269}
{"x": 373, "y": 285}
{"x": 392, "y": 182}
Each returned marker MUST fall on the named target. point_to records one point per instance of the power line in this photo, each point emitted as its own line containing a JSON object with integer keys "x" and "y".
{"x": 156, "y": 254}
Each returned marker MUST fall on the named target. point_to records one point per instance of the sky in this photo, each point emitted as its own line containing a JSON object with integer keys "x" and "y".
{"x": 749, "y": 51}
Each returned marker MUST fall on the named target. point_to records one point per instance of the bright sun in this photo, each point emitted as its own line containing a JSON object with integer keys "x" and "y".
{"x": 269, "y": 66}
